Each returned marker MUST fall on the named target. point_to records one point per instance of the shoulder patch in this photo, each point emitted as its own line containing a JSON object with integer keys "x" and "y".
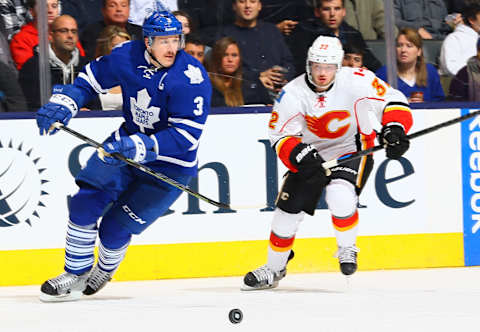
{"x": 194, "y": 74}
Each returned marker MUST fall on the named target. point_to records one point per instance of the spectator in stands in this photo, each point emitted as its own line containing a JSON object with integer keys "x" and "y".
{"x": 11, "y": 95}
{"x": 195, "y": 47}
{"x": 265, "y": 54}
{"x": 417, "y": 80}
{"x": 210, "y": 16}
{"x": 285, "y": 14}
{"x": 225, "y": 71}
{"x": 65, "y": 60}
{"x": 455, "y": 6}
{"x": 139, "y": 9}
{"x": 111, "y": 36}
{"x": 353, "y": 55}
{"x": 185, "y": 19}
{"x": 460, "y": 45}
{"x": 84, "y": 12}
{"x": 328, "y": 21}
{"x": 13, "y": 14}
{"x": 466, "y": 84}
{"x": 114, "y": 12}
{"x": 425, "y": 16}
{"x": 5, "y": 56}
{"x": 26, "y": 40}
{"x": 368, "y": 17}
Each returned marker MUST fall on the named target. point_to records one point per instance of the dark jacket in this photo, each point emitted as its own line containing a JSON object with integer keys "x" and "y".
{"x": 89, "y": 36}
{"x": 11, "y": 96}
{"x": 30, "y": 82}
{"x": 84, "y": 11}
{"x": 466, "y": 84}
{"x": 261, "y": 47}
{"x": 306, "y": 32}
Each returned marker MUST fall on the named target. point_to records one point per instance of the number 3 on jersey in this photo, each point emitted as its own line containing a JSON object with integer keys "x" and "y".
{"x": 199, "y": 109}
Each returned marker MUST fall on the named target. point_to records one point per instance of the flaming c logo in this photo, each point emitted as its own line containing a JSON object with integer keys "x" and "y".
{"x": 21, "y": 183}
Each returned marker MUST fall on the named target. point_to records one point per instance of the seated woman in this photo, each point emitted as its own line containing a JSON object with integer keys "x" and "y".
{"x": 225, "y": 71}
{"x": 110, "y": 37}
{"x": 230, "y": 88}
{"x": 419, "y": 81}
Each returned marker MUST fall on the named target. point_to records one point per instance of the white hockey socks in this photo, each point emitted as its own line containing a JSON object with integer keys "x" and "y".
{"x": 79, "y": 248}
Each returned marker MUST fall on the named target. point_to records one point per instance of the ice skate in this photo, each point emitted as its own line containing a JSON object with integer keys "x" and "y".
{"x": 264, "y": 277}
{"x": 97, "y": 279}
{"x": 65, "y": 287}
{"x": 347, "y": 257}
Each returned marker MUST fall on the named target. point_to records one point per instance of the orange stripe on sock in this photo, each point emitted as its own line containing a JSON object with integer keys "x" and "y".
{"x": 346, "y": 224}
{"x": 280, "y": 244}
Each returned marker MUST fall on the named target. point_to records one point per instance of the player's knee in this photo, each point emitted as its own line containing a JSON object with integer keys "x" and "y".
{"x": 341, "y": 198}
{"x": 286, "y": 224}
{"x": 88, "y": 196}
{"x": 113, "y": 234}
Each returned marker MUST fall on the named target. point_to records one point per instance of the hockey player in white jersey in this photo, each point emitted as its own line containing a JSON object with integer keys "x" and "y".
{"x": 318, "y": 116}
{"x": 166, "y": 94}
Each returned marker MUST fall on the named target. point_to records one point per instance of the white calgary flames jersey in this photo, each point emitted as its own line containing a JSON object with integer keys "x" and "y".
{"x": 336, "y": 121}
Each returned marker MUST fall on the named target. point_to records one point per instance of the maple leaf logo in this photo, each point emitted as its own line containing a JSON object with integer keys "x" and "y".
{"x": 194, "y": 74}
{"x": 144, "y": 115}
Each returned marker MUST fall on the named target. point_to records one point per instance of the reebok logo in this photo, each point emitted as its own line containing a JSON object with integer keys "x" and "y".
{"x": 303, "y": 153}
{"x": 133, "y": 215}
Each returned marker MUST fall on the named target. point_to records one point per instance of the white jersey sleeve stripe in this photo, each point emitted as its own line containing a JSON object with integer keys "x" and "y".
{"x": 186, "y": 122}
{"x": 89, "y": 77}
{"x": 178, "y": 161}
{"x": 189, "y": 137}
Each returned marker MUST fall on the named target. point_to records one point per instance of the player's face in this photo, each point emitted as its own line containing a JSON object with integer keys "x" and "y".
{"x": 247, "y": 10}
{"x": 197, "y": 51}
{"x": 354, "y": 60}
{"x": 323, "y": 73}
{"x": 407, "y": 52}
{"x": 165, "y": 48}
{"x": 231, "y": 60}
{"x": 185, "y": 24}
{"x": 331, "y": 12}
{"x": 64, "y": 34}
{"x": 116, "y": 11}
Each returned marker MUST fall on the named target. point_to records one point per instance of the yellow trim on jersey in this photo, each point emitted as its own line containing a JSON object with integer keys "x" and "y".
{"x": 397, "y": 108}
{"x": 214, "y": 259}
{"x": 280, "y": 143}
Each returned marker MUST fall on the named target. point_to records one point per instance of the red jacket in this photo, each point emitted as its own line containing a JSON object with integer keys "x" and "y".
{"x": 23, "y": 43}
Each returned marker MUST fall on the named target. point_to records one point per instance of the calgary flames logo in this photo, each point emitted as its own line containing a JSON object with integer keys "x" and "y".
{"x": 327, "y": 126}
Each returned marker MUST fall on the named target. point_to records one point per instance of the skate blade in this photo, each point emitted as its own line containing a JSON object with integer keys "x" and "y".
{"x": 248, "y": 288}
{"x": 72, "y": 296}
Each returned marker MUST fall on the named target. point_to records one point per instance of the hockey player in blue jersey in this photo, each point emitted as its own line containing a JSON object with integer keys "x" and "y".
{"x": 166, "y": 95}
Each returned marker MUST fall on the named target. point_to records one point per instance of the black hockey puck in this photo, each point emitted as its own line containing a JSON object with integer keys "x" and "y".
{"x": 235, "y": 316}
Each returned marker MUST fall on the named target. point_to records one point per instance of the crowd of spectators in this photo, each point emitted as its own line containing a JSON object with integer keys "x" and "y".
{"x": 251, "y": 48}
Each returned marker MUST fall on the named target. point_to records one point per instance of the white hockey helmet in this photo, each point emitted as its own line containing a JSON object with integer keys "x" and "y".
{"x": 327, "y": 50}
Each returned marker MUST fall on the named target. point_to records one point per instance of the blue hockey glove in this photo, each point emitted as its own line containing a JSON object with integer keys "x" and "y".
{"x": 396, "y": 141}
{"x": 51, "y": 113}
{"x": 138, "y": 147}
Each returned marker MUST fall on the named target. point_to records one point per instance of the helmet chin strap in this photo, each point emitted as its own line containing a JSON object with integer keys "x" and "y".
{"x": 155, "y": 61}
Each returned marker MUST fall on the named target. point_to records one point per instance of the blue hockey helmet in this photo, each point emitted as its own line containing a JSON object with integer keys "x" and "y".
{"x": 161, "y": 23}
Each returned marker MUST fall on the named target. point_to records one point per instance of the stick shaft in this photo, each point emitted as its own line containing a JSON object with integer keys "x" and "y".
{"x": 144, "y": 168}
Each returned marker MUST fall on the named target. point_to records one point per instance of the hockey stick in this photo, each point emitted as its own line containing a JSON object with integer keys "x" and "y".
{"x": 342, "y": 160}
{"x": 141, "y": 167}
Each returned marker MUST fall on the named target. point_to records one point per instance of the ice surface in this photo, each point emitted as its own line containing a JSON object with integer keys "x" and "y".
{"x": 395, "y": 300}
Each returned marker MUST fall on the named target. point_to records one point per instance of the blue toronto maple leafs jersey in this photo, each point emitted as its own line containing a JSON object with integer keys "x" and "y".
{"x": 170, "y": 104}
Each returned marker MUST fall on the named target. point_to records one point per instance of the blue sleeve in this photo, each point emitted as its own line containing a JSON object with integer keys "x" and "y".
{"x": 188, "y": 107}
{"x": 382, "y": 73}
{"x": 96, "y": 77}
{"x": 435, "y": 85}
